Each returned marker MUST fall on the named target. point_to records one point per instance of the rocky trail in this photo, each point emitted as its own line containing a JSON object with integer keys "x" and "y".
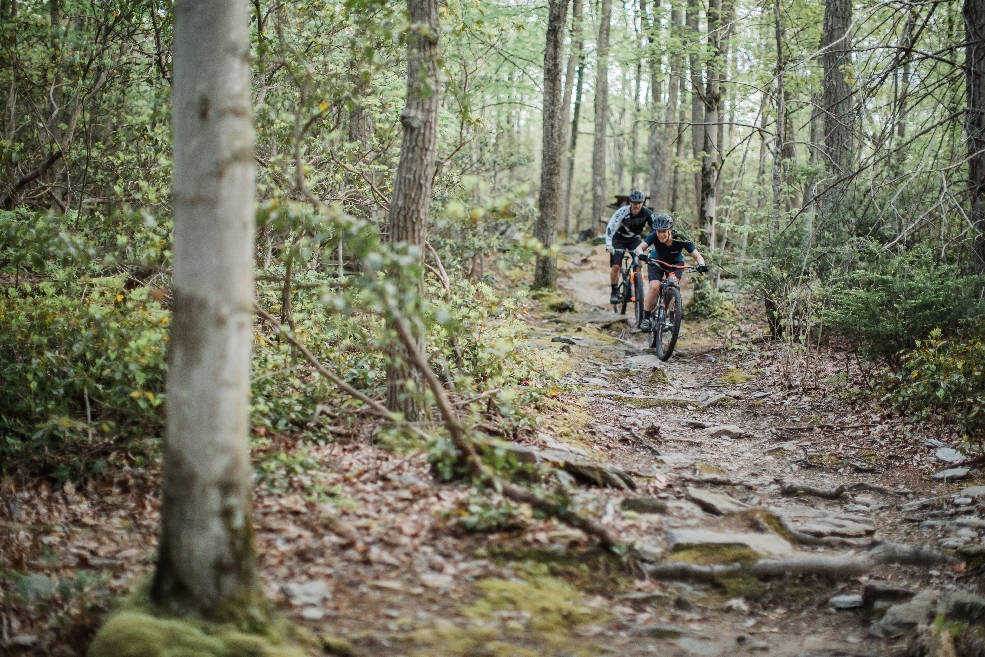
{"x": 773, "y": 519}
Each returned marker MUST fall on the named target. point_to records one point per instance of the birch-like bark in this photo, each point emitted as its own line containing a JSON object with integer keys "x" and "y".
{"x": 415, "y": 170}
{"x": 697, "y": 104}
{"x": 545, "y": 228}
{"x": 206, "y": 560}
{"x": 601, "y": 113}
{"x": 711, "y": 157}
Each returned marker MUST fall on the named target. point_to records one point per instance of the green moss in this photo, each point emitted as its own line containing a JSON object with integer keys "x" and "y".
{"x": 708, "y": 554}
{"x": 704, "y": 468}
{"x": 334, "y": 645}
{"x": 659, "y": 402}
{"x": 735, "y": 376}
{"x": 826, "y": 461}
{"x": 740, "y": 585}
{"x": 553, "y": 300}
{"x": 594, "y": 571}
{"x": 131, "y": 633}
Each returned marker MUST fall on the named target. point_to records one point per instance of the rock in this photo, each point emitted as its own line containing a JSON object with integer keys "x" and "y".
{"x": 962, "y": 606}
{"x": 437, "y": 580}
{"x": 714, "y": 502}
{"x": 969, "y": 521}
{"x": 962, "y": 501}
{"x": 563, "y": 339}
{"x": 37, "y": 587}
{"x": 684, "y": 604}
{"x": 769, "y": 544}
{"x": 844, "y": 526}
{"x": 953, "y": 474}
{"x": 919, "y": 504}
{"x": 661, "y": 631}
{"x": 905, "y": 617}
{"x": 879, "y": 595}
{"x": 695, "y": 424}
{"x": 933, "y": 443}
{"x": 949, "y": 455}
{"x": 644, "y": 505}
{"x": 312, "y": 613}
{"x": 728, "y": 431}
{"x": 974, "y": 492}
{"x": 307, "y": 593}
{"x": 846, "y": 601}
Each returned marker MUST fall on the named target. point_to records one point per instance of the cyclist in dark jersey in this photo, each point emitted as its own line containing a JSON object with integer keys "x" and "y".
{"x": 625, "y": 231}
{"x": 667, "y": 245}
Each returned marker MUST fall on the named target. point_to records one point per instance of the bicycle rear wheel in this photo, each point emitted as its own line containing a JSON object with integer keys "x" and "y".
{"x": 667, "y": 330}
{"x": 624, "y": 294}
{"x": 638, "y": 293}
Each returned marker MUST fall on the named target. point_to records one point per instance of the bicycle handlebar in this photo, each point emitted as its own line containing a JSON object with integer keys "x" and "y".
{"x": 666, "y": 266}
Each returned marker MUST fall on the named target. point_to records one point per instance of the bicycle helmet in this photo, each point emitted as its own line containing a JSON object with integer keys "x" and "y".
{"x": 636, "y": 196}
{"x": 663, "y": 222}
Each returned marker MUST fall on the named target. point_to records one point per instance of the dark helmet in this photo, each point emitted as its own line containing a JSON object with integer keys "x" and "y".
{"x": 663, "y": 222}
{"x": 636, "y": 196}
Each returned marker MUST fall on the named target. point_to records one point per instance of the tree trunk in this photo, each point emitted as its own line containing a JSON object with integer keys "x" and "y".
{"x": 415, "y": 170}
{"x": 601, "y": 114}
{"x": 664, "y": 186}
{"x": 569, "y": 131}
{"x": 658, "y": 142}
{"x": 836, "y": 49}
{"x": 781, "y": 112}
{"x": 697, "y": 105}
{"x": 711, "y": 157}
{"x": 545, "y": 229}
{"x": 207, "y": 561}
{"x": 675, "y": 178}
{"x": 974, "y": 22}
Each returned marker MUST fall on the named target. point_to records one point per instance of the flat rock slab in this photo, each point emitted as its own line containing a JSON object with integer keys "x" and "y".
{"x": 974, "y": 492}
{"x": 953, "y": 474}
{"x": 768, "y": 544}
{"x": 949, "y": 455}
{"x": 847, "y": 527}
{"x": 729, "y": 431}
{"x": 713, "y": 502}
{"x": 646, "y": 360}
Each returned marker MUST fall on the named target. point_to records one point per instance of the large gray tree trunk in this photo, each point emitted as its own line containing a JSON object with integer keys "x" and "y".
{"x": 415, "y": 170}
{"x": 658, "y": 144}
{"x": 711, "y": 157}
{"x": 974, "y": 22}
{"x": 601, "y": 113}
{"x": 206, "y": 560}
{"x": 663, "y": 192}
{"x": 545, "y": 229}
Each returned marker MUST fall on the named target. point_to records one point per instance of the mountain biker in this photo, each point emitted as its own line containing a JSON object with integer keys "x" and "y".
{"x": 625, "y": 231}
{"x": 668, "y": 246}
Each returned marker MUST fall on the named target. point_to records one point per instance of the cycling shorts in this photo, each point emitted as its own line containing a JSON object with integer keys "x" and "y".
{"x": 655, "y": 274}
{"x": 618, "y": 242}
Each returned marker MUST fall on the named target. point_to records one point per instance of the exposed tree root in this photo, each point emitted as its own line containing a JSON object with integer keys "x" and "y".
{"x": 834, "y": 566}
{"x": 833, "y": 493}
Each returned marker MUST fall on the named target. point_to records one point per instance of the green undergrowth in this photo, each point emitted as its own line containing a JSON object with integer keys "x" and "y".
{"x": 593, "y": 571}
{"x": 522, "y": 616}
{"x": 736, "y": 376}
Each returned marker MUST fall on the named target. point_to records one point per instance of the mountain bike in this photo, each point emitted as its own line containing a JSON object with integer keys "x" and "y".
{"x": 630, "y": 287}
{"x": 666, "y": 324}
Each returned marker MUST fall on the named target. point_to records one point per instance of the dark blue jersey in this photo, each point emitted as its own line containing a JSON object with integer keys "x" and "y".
{"x": 673, "y": 253}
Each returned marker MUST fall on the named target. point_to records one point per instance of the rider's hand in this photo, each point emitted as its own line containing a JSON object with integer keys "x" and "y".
{"x": 643, "y": 257}
{"x": 702, "y": 268}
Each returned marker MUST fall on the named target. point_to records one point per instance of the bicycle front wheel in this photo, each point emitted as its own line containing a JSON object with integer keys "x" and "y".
{"x": 625, "y": 292}
{"x": 638, "y": 294}
{"x": 667, "y": 330}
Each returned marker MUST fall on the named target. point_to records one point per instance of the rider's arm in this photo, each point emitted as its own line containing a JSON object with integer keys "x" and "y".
{"x": 613, "y": 226}
{"x": 697, "y": 256}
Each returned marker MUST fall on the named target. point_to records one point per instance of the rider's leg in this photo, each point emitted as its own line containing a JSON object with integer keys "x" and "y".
{"x": 613, "y": 276}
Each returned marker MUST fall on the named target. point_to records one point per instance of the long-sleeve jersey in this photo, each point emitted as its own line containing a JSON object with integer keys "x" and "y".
{"x": 625, "y": 224}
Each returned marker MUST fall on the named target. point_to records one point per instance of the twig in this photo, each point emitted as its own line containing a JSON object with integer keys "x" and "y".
{"x": 487, "y": 393}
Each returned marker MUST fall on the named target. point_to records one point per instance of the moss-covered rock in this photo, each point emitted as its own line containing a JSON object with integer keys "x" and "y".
{"x": 736, "y": 376}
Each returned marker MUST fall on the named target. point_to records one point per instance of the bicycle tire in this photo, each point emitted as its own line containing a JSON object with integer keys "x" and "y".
{"x": 624, "y": 294}
{"x": 638, "y": 293}
{"x": 668, "y": 329}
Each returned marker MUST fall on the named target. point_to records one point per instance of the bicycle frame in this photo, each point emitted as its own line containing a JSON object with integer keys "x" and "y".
{"x": 630, "y": 272}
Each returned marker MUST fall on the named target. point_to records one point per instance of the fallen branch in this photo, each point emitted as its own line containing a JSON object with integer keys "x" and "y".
{"x": 466, "y": 447}
{"x": 834, "y": 566}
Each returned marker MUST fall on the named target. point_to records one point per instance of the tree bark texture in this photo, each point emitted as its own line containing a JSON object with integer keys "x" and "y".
{"x": 974, "y": 21}
{"x": 415, "y": 170}
{"x": 569, "y": 131}
{"x": 601, "y": 114}
{"x": 206, "y": 561}
{"x": 658, "y": 144}
{"x": 836, "y": 54}
{"x": 711, "y": 157}
{"x": 545, "y": 228}
{"x": 662, "y": 186}
{"x": 697, "y": 103}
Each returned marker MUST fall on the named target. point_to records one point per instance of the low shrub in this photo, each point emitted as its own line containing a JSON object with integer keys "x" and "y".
{"x": 946, "y": 378}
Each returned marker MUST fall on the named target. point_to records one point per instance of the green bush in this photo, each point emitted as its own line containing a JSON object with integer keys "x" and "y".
{"x": 890, "y": 301}
{"x": 945, "y": 377}
{"x": 81, "y": 373}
